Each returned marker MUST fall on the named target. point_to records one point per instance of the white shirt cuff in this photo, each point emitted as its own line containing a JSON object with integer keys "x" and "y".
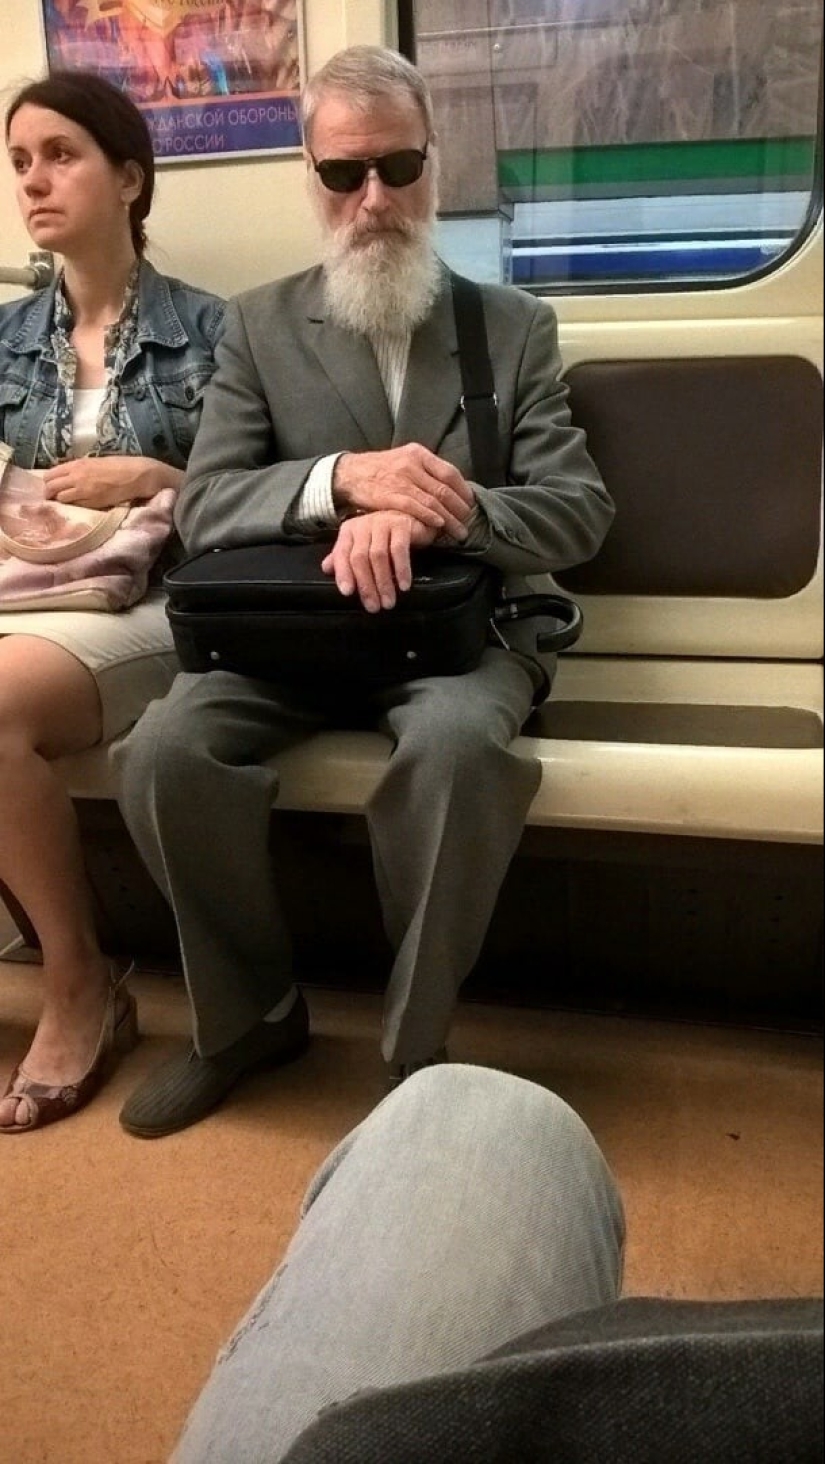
{"x": 314, "y": 507}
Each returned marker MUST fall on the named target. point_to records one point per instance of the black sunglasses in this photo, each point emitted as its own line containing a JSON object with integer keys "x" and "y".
{"x": 395, "y": 169}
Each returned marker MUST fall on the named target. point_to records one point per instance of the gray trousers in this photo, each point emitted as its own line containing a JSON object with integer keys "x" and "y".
{"x": 197, "y": 788}
{"x": 469, "y": 1208}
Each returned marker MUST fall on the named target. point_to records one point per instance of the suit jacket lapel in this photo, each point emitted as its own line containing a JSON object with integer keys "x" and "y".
{"x": 349, "y": 363}
{"x": 432, "y": 388}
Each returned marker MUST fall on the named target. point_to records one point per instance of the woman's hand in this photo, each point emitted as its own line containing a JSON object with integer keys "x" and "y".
{"x": 105, "y": 482}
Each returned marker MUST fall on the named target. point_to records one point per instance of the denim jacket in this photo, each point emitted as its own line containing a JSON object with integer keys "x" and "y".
{"x": 163, "y": 381}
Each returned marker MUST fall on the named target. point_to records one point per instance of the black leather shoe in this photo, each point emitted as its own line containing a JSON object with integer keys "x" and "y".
{"x": 403, "y": 1070}
{"x": 188, "y": 1087}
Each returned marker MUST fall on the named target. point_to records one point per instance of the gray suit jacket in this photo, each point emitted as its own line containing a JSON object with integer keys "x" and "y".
{"x": 291, "y": 387}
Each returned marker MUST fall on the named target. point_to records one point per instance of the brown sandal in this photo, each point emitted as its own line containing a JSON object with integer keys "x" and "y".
{"x": 118, "y": 1035}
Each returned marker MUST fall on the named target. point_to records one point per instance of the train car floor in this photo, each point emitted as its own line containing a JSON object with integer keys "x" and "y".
{"x": 125, "y": 1264}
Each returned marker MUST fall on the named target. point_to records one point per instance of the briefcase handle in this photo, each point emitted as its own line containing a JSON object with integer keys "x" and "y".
{"x": 566, "y": 613}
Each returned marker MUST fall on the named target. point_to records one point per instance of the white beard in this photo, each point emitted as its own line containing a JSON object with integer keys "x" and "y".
{"x": 387, "y": 281}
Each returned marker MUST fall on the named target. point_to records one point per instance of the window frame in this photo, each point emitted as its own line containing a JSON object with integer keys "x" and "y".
{"x": 653, "y": 285}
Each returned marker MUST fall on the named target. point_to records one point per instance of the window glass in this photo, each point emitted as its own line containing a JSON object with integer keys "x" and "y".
{"x": 599, "y": 143}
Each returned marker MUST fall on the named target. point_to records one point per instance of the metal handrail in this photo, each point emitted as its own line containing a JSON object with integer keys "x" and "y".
{"x": 35, "y": 276}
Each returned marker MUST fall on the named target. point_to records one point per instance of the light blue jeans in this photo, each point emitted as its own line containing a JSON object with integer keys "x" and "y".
{"x": 468, "y": 1208}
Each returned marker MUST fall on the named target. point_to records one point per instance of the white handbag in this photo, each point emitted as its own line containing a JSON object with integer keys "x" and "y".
{"x": 60, "y": 556}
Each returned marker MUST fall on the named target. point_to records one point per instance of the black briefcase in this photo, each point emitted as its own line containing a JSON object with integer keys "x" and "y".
{"x": 269, "y": 612}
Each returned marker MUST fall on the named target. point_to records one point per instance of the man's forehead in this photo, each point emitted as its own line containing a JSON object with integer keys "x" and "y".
{"x": 339, "y": 115}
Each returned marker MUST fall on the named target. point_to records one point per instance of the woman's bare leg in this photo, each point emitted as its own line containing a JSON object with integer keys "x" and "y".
{"x": 49, "y": 705}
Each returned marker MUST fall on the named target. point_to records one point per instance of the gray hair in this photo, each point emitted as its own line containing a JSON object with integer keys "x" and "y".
{"x": 367, "y": 74}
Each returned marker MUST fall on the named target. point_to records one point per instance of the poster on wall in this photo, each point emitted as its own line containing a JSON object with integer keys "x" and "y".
{"x": 213, "y": 78}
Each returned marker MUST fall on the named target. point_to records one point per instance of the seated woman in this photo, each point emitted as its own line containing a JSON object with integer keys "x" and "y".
{"x": 101, "y": 383}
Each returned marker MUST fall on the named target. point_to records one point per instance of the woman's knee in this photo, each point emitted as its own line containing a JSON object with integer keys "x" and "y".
{"x": 16, "y": 745}
{"x": 49, "y": 702}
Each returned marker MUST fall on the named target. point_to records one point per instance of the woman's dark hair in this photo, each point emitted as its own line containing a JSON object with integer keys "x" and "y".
{"x": 114, "y": 122}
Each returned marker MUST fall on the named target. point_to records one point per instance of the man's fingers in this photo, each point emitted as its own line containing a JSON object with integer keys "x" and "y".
{"x": 446, "y": 474}
{"x": 453, "y": 517}
{"x": 418, "y": 507}
{"x": 370, "y": 575}
{"x": 337, "y": 563}
{"x": 410, "y": 480}
{"x": 454, "y": 506}
{"x": 431, "y": 503}
{"x": 371, "y": 558}
{"x": 400, "y": 555}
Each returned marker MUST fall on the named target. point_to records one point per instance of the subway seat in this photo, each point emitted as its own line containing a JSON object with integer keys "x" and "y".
{"x": 668, "y": 768}
{"x": 693, "y": 703}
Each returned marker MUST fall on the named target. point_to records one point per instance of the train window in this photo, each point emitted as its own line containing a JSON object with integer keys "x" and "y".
{"x": 588, "y": 143}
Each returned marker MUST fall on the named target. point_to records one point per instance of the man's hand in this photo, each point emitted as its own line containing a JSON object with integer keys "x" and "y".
{"x": 371, "y": 556}
{"x": 410, "y": 480}
{"x": 104, "y": 482}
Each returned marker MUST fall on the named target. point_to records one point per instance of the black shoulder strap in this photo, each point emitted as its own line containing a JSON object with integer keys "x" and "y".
{"x": 480, "y": 405}
{"x": 479, "y": 399}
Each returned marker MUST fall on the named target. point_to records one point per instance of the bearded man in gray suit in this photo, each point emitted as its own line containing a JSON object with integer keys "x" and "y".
{"x": 335, "y": 413}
